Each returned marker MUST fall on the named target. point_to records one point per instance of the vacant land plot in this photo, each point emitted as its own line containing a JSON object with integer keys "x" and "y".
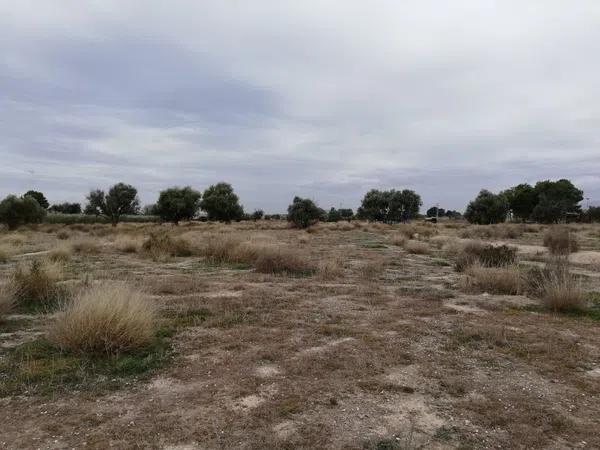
{"x": 350, "y": 335}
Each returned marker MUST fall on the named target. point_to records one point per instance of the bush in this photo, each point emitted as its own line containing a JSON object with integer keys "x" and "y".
{"x": 494, "y": 280}
{"x": 303, "y": 213}
{"x": 39, "y": 197}
{"x": 162, "y": 247}
{"x": 37, "y": 285}
{"x": 560, "y": 241}
{"x": 106, "y": 319}
{"x": 221, "y": 203}
{"x": 121, "y": 199}
{"x": 16, "y": 211}
{"x": 486, "y": 255}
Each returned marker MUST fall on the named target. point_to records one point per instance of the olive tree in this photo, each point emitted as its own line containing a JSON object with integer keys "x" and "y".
{"x": 221, "y": 203}
{"x": 40, "y": 198}
{"x": 303, "y": 212}
{"x": 177, "y": 204}
{"x": 15, "y": 211}
{"x": 487, "y": 208}
{"x": 121, "y": 199}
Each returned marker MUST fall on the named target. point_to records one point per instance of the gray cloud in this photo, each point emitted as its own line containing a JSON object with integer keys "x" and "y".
{"x": 325, "y": 99}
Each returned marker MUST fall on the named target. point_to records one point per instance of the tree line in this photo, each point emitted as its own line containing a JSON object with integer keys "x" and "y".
{"x": 546, "y": 202}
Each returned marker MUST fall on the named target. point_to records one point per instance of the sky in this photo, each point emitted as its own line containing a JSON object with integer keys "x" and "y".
{"x": 321, "y": 99}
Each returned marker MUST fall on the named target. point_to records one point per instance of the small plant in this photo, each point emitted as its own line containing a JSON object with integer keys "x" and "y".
{"x": 282, "y": 260}
{"x": 560, "y": 241}
{"x": 107, "y": 319}
{"x": 557, "y": 287}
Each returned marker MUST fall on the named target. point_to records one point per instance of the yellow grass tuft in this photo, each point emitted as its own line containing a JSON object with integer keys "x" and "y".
{"x": 106, "y": 319}
{"x": 494, "y": 280}
{"x": 60, "y": 253}
{"x": 86, "y": 246}
{"x": 417, "y": 247}
{"x": 560, "y": 241}
{"x": 36, "y": 284}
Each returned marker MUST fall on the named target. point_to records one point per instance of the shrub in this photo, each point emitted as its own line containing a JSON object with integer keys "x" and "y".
{"x": 303, "y": 213}
{"x": 162, "y": 247}
{"x": 106, "y": 319}
{"x": 495, "y": 280}
{"x": 560, "y": 241}
{"x": 487, "y": 208}
{"x": 16, "y": 211}
{"x": 486, "y": 255}
{"x": 39, "y": 197}
{"x": 282, "y": 260}
{"x": 36, "y": 285}
{"x": 416, "y": 247}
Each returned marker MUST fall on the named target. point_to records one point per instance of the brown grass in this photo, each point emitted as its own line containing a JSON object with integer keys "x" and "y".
{"x": 87, "y": 246}
{"x": 279, "y": 259}
{"x": 330, "y": 269}
{"x": 417, "y": 247}
{"x": 106, "y": 319}
{"x": 5, "y": 253}
{"x": 398, "y": 239}
{"x": 63, "y": 234}
{"x": 61, "y": 253}
{"x": 494, "y": 280}
{"x": 6, "y": 299}
{"x": 499, "y": 231}
{"x": 127, "y": 244}
{"x": 371, "y": 270}
{"x": 560, "y": 241}
{"x": 558, "y": 288}
{"x": 36, "y": 284}
{"x": 162, "y": 247}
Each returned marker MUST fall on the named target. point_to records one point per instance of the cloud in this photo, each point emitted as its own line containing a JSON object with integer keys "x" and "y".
{"x": 323, "y": 99}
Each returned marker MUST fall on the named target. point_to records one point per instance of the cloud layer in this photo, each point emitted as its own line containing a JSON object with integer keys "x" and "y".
{"x": 322, "y": 99}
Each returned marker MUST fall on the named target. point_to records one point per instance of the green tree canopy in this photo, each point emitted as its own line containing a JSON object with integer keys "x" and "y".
{"x": 303, "y": 212}
{"x": 521, "y": 200}
{"x": 176, "y": 204}
{"x": 487, "y": 208}
{"x": 16, "y": 211}
{"x": 66, "y": 208}
{"x": 221, "y": 203}
{"x": 390, "y": 206}
{"x": 121, "y": 199}
{"x": 40, "y": 197}
{"x": 556, "y": 199}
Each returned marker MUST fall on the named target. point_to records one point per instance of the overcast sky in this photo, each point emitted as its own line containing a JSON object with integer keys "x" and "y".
{"x": 322, "y": 99}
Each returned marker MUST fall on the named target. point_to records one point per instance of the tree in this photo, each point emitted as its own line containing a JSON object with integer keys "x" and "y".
{"x": 40, "y": 198}
{"x": 556, "y": 199}
{"x": 303, "y": 212}
{"x": 453, "y": 214}
{"x": 434, "y": 211}
{"x": 521, "y": 200}
{"x": 121, "y": 199}
{"x": 593, "y": 214}
{"x": 66, "y": 208}
{"x": 346, "y": 213}
{"x": 220, "y": 203}
{"x": 487, "y": 208}
{"x": 15, "y": 211}
{"x": 149, "y": 210}
{"x": 177, "y": 204}
{"x": 257, "y": 215}
{"x": 334, "y": 215}
{"x": 390, "y": 206}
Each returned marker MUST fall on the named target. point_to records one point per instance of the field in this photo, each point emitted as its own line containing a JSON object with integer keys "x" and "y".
{"x": 347, "y": 335}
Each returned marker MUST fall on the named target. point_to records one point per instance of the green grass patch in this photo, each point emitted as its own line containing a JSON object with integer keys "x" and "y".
{"x": 40, "y": 368}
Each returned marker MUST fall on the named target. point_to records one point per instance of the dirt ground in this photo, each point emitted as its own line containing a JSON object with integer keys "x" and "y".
{"x": 386, "y": 354}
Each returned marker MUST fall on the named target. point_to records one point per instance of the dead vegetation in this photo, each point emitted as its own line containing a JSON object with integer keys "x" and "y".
{"x": 560, "y": 241}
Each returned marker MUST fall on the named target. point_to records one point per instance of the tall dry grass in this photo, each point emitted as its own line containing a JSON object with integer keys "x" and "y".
{"x": 5, "y": 253}
{"x": 557, "y": 287}
{"x": 163, "y": 247}
{"x": 417, "y": 247}
{"x": 61, "y": 253}
{"x": 6, "y": 299}
{"x": 493, "y": 280}
{"x": 36, "y": 284}
{"x": 106, "y": 319}
{"x": 560, "y": 241}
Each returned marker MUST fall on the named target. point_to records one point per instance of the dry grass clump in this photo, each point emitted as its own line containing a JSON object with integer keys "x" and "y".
{"x": 13, "y": 240}
{"x": 36, "y": 284}
{"x": 278, "y": 259}
{"x": 397, "y": 239}
{"x": 557, "y": 287}
{"x": 127, "y": 244}
{"x": 371, "y": 270}
{"x": 499, "y": 231}
{"x": 162, "y": 247}
{"x": 7, "y": 299}
{"x": 106, "y": 319}
{"x": 417, "y": 247}
{"x": 5, "y": 253}
{"x": 60, "y": 253}
{"x": 417, "y": 230}
{"x": 486, "y": 255}
{"x": 494, "y": 280}
{"x": 330, "y": 269}
{"x": 440, "y": 240}
{"x": 63, "y": 235}
{"x": 86, "y": 247}
{"x": 224, "y": 249}
{"x": 560, "y": 241}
